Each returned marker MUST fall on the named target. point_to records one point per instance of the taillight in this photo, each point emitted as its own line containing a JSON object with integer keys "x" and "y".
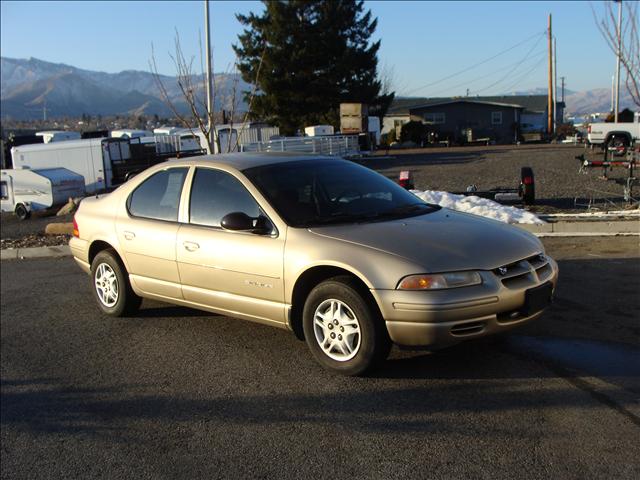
{"x": 76, "y": 232}
{"x": 525, "y": 180}
{"x": 589, "y": 129}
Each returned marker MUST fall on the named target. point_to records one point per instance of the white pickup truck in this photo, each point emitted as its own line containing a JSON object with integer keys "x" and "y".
{"x": 615, "y": 136}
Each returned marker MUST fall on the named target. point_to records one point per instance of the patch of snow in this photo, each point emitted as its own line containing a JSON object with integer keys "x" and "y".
{"x": 478, "y": 206}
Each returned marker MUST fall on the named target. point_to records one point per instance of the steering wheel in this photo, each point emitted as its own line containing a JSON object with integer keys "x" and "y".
{"x": 345, "y": 194}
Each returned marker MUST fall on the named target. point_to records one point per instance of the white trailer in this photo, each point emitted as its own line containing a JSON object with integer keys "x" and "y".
{"x": 25, "y": 191}
{"x": 318, "y": 130}
{"x": 93, "y": 158}
{"x": 131, "y": 133}
{"x": 58, "y": 136}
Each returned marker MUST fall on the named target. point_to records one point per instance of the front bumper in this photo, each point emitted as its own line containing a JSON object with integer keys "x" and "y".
{"x": 446, "y": 317}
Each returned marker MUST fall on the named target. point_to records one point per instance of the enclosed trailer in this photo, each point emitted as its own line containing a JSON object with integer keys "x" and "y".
{"x": 51, "y": 136}
{"x": 130, "y": 133}
{"x": 95, "y": 159}
{"x": 25, "y": 191}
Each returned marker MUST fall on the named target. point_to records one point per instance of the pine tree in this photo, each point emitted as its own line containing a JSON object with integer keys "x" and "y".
{"x": 309, "y": 56}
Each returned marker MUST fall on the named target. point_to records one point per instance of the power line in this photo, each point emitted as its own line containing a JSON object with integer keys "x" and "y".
{"x": 491, "y": 74}
{"x": 522, "y": 77}
{"x": 513, "y": 69}
{"x": 476, "y": 64}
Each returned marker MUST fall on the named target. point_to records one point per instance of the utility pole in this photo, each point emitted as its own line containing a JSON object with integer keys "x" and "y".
{"x": 550, "y": 90}
{"x": 613, "y": 88}
{"x": 44, "y": 110}
{"x": 562, "y": 83}
{"x": 210, "y": 120}
{"x": 555, "y": 87}
{"x": 619, "y": 34}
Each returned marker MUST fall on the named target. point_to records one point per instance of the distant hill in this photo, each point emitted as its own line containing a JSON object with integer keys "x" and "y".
{"x": 27, "y": 86}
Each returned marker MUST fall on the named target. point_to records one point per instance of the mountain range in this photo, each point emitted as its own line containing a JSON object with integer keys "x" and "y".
{"x": 29, "y": 86}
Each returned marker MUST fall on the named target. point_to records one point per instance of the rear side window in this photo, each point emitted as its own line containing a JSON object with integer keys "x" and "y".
{"x": 158, "y": 197}
{"x": 4, "y": 191}
{"x": 214, "y": 194}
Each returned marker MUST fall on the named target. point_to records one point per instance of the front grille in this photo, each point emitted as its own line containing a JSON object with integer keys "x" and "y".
{"x": 524, "y": 273}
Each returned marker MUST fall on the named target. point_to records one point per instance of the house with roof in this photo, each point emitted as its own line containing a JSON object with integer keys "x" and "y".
{"x": 501, "y": 119}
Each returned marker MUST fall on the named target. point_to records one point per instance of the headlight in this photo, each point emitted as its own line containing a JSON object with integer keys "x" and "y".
{"x": 439, "y": 281}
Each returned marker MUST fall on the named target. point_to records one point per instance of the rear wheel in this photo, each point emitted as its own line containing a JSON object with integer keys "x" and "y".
{"x": 618, "y": 144}
{"x": 111, "y": 287}
{"x": 343, "y": 328}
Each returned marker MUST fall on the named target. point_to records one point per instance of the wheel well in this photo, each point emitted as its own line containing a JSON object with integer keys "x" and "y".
{"x": 624, "y": 135}
{"x": 96, "y": 247}
{"x": 307, "y": 281}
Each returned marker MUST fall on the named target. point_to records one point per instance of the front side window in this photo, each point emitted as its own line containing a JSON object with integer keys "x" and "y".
{"x": 496, "y": 118}
{"x": 158, "y": 197}
{"x": 214, "y": 194}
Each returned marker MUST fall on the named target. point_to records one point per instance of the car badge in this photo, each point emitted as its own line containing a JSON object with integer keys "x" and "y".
{"x": 502, "y": 270}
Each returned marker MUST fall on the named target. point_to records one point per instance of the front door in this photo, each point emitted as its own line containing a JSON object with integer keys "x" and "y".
{"x": 147, "y": 233}
{"x": 239, "y": 273}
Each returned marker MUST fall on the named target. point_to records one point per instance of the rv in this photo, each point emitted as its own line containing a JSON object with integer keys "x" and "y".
{"x": 25, "y": 191}
{"x": 57, "y": 136}
{"x": 98, "y": 160}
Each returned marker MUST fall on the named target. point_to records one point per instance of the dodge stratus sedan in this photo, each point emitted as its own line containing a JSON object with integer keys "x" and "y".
{"x": 324, "y": 247}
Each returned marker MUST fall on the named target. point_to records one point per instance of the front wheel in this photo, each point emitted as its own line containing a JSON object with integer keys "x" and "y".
{"x": 343, "y": 327}
{"x": 111, "y": 287}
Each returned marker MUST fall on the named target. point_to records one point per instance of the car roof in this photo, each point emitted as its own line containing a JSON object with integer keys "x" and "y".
{"x": 243, "y": 161}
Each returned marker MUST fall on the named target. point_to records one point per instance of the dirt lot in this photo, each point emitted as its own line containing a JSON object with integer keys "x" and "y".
{"x": 559, "y": 186}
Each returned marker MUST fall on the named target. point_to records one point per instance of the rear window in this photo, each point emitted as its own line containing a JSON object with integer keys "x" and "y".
{"x": 158, "y": 197}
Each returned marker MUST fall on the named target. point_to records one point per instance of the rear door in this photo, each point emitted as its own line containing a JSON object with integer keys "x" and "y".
{"x": 235, "y": 272}
{"x": 147, "y": 232}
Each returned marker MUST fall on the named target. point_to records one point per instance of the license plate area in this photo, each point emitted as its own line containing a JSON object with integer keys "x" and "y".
{"x": 537, "y": 299}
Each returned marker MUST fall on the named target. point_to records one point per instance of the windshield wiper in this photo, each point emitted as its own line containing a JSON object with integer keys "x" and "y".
{"x": 408, "y": 209}
{"x": 342, "y": 218}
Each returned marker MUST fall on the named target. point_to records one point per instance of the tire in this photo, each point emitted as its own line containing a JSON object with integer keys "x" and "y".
{"x": 368, "y": 344}
{"x": 618, "y": 142}
{"x": 21, "y": 212}
{"x": 110, "y": 285}
{"x": 527, "y": 186}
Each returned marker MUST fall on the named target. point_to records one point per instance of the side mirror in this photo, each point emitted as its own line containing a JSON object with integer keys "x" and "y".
{"x": 241, "y": 222}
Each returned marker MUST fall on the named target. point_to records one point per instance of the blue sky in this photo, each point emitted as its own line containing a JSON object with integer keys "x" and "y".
{"x": 423, "y": 43}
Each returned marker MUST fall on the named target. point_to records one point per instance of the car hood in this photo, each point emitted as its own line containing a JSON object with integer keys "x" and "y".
{"x": 441, "y": 241}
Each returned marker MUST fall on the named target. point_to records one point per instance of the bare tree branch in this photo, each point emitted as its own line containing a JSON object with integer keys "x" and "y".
{"x": 628, "y": 39}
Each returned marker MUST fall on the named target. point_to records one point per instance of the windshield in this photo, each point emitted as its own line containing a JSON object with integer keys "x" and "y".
{"x": 317, "y": 192}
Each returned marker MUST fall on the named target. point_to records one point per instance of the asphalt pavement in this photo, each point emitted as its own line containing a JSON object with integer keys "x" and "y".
{"x": 178, "y": 393}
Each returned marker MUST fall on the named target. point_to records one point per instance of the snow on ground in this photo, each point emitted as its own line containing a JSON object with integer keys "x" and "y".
{"x": 478, "y": 206}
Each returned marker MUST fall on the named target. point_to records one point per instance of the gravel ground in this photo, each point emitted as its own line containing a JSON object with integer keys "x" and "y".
{"x": 559, "y": 186}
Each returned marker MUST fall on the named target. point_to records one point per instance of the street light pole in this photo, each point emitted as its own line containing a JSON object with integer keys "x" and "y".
{"x": 210, "y": 120}
{"x": 619, "y": 34}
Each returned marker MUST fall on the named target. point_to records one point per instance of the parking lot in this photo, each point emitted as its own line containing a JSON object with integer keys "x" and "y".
{"x": 178, "y": 393}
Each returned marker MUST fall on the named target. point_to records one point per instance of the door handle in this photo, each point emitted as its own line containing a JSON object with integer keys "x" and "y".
{"x": 129, "y": 235}
{"x": 191, "y": 246}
